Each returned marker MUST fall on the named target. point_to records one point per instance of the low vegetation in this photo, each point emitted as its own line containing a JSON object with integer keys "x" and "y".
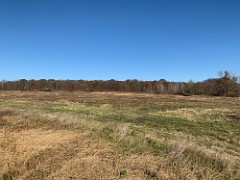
{"x": 80, "y": 135}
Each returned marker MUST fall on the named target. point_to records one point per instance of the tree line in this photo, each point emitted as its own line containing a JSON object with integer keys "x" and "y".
{"x": 225, "y": 85}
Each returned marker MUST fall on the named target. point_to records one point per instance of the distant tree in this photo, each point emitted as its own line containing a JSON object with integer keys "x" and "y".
{"x": 235, "y": 79}
{"x": 228, "y": 84}
{"x": 3, "y": 85}
{"x": 224, "y": 74}
{"x": 190, "y": 88}
{"x": 32, "y": 85}
{"x": 52, "y": 84}
{"x": 220, "y": 74}
{"x": 227, "y": 74}
{"x": 23, "y": 84}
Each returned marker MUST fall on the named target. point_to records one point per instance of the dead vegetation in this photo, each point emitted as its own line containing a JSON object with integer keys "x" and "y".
{"x": 118, "y": 136}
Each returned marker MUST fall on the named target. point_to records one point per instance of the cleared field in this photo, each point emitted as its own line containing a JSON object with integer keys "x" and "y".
{"x": 63, "y": 135}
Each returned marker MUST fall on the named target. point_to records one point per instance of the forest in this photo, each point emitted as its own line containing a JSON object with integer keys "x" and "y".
{"x": 225, "y": 85}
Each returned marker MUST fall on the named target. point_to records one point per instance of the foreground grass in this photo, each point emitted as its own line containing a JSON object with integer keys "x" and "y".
{"x": 114, "y": 135}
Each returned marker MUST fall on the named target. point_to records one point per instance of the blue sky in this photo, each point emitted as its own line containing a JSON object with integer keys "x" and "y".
{"x": 177, "y": 40}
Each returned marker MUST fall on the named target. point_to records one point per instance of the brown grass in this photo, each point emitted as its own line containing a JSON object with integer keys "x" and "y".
{"x": 36, "y": 153}
{"x": 37, "y": 142}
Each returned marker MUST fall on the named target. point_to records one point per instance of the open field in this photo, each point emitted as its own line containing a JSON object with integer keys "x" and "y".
{"x": 62, "y": 135}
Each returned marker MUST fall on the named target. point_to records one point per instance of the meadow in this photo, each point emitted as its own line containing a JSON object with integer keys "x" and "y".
{"x": 110, "y": 135}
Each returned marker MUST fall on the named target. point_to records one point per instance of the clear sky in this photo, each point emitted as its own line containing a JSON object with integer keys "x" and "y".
{"x": 177, "y": 40}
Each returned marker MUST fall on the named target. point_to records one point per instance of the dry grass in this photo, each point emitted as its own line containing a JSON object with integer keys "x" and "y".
{"x": 118, "y": 136}
{"x": 30, "y": 152}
